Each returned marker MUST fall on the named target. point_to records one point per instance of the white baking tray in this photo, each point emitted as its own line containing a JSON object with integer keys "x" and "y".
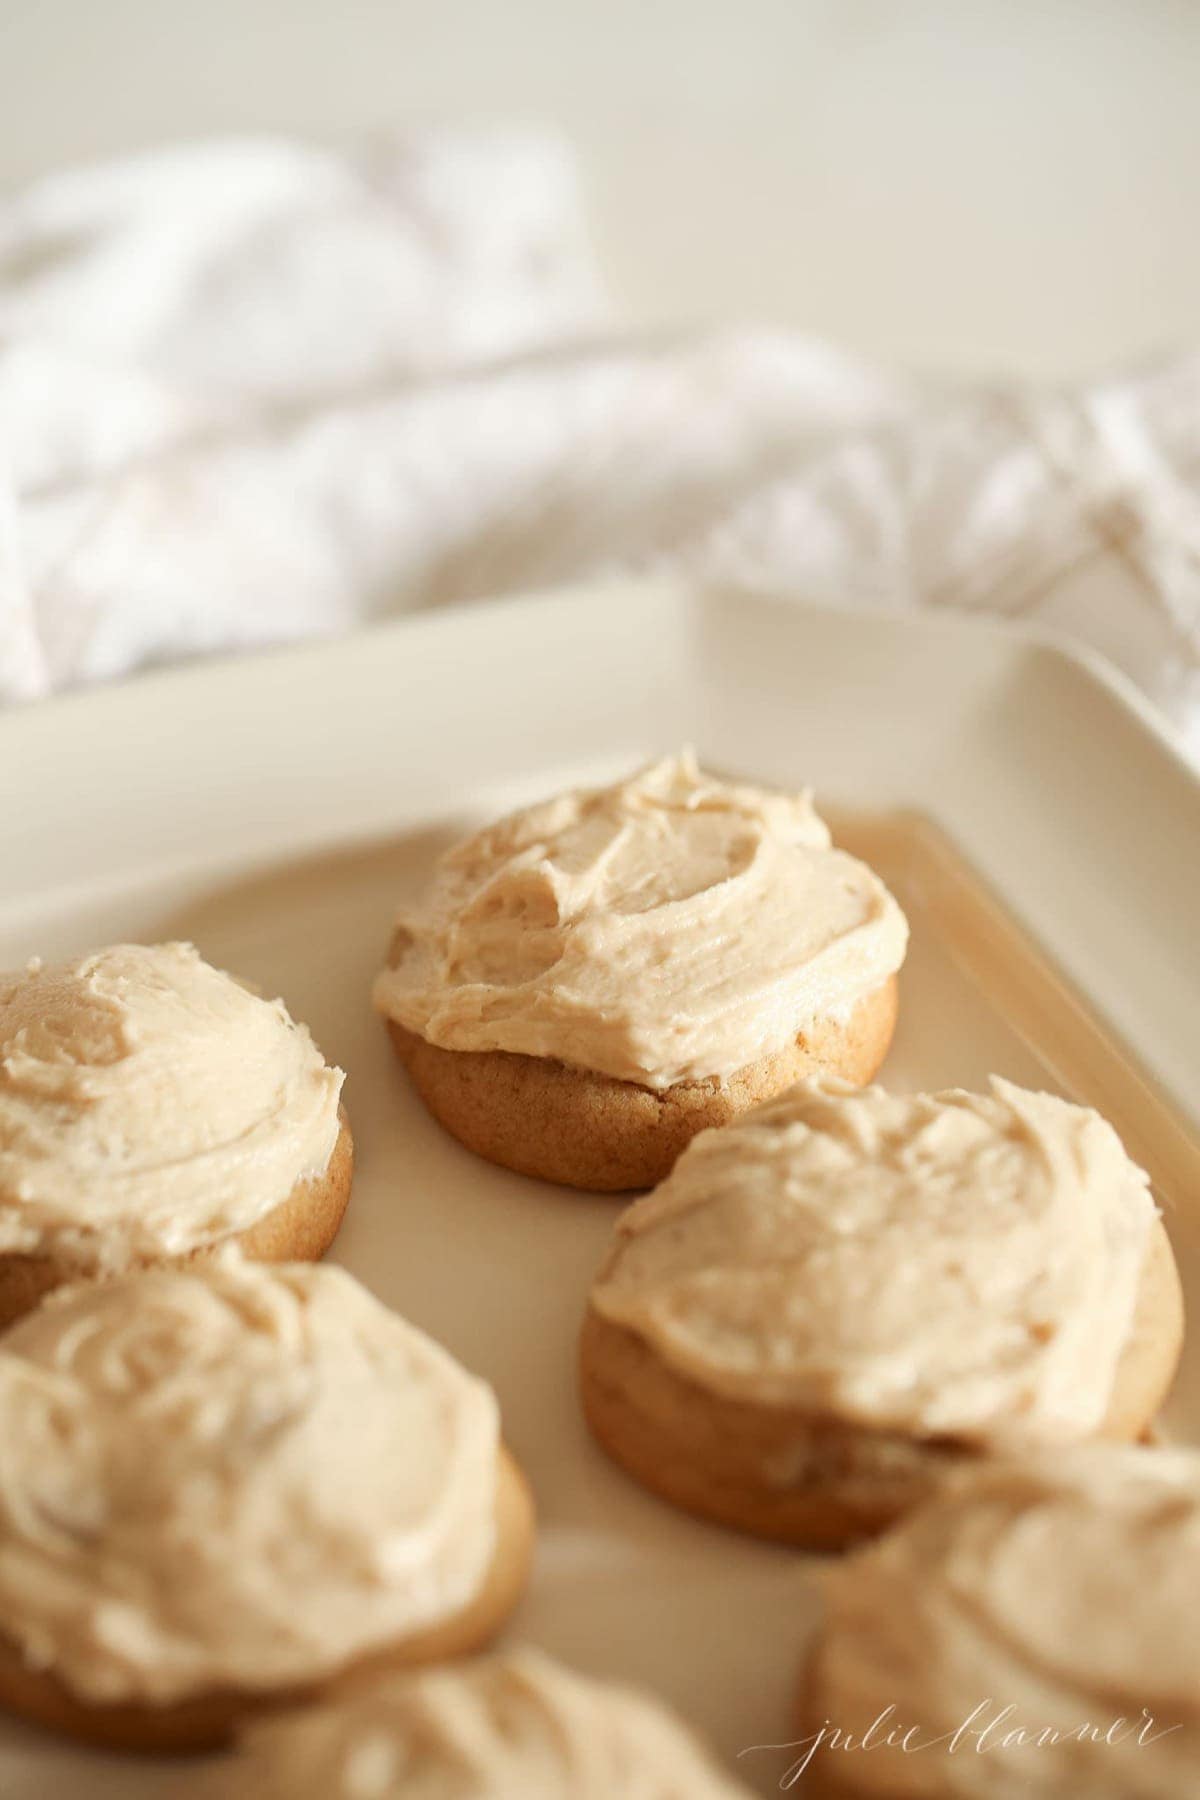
{"x": 1035, "y": 820}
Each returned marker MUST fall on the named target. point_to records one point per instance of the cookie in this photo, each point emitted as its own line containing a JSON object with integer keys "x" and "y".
{"x": 300, "y": 1229}
{"x": 507, "y": 1725}
{"x": 1031, "y": 1628}
{"x": 263, "y": 1485}
{"x": 153, "y": 1109}
{"x": 591, "y": 981}
{"x": 803, "y": 1478}
{"x": 210, "y": 1719}
{"x": 584, "y": 1130}
{"x": 833, "y": 1304}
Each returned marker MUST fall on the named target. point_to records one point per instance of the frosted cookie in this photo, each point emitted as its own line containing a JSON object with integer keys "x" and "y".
{"x": 510, "y": 1727}
{"x": 152, "y": 1108}
{"x": 231, "y": 1487}
{"x": 1029, "y": 1635}
{"x": 593, "y": 980}
{"x": 833, "y": 1302}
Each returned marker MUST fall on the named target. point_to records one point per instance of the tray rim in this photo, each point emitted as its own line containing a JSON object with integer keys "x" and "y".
{"x": 198, "y": 671}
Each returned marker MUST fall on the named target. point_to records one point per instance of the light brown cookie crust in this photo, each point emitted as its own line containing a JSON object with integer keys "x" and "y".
{"x": 210, "y": 1719}
{"x": 300, "y": 1229}
{"x": 586, "y": 1130}
{"x": 820, "y": 1482}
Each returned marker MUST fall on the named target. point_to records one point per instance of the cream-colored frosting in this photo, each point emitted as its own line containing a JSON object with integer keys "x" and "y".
{"x": 150, "y": 1104}
{"x": 233, "y": 1475}
{"x": 513, "y": 1727}
{"x": 1064, "y": 1589}
{"x": 668, "y": 928}
{"x": 938, "y": 1263}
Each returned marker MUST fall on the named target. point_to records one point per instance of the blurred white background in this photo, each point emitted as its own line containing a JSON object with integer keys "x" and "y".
{"x": 981, "y": 186}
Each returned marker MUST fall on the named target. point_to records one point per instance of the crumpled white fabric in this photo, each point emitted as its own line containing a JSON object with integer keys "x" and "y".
{"x": 260, "y": 390}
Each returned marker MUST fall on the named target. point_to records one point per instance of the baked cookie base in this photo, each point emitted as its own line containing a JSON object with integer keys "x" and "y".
{"x": 300, "y": 1229}
{"x": 210, "y": 1720}
{"x": 816, "y": 1481}
{"x": 585, "y": 1130}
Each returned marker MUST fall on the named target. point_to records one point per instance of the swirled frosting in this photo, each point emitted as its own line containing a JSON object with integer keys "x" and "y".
{"x": 495, "y": 1729}
{"x": 1055, "y": 1599}
{"x": 939, "y": 1263}
{"x": 232, "y": 1475}
{"x": 669, "y": 928}
{"x": 150, "y": 1104}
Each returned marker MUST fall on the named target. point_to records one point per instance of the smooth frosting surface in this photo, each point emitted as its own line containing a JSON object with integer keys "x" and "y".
{"x": 150, "y": 1104}
{"x": 665, "y": 929}
{"x": 1063, "y": 1589}
{"x": 941, "y": 1263}
{"x": 233, "y": 1475}
{"x": 503, "y": 1727}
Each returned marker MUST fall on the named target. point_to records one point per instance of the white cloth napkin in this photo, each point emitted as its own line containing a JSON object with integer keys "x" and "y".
{"x": 260, "y": 390}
